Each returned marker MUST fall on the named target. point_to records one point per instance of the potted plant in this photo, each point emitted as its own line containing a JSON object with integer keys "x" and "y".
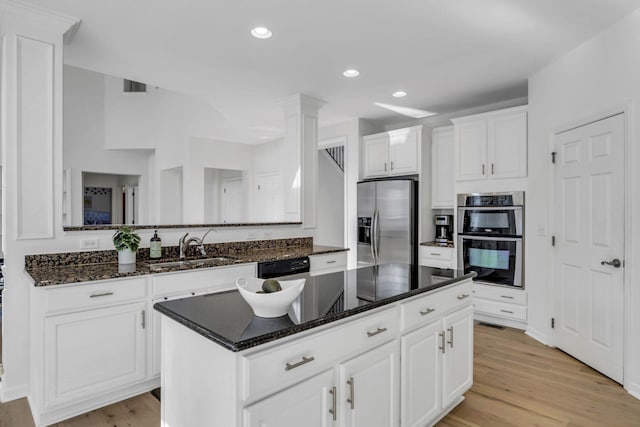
{"x": 126, "y": 243}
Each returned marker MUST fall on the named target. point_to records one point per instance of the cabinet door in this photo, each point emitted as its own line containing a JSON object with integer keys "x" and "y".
{"x": 403, "y": 151}
{"x": 458, "y": 356}
{"x": 507, "y": 148}
{"x": 307, "y": 403}
{"x": 91, "y": 352}
{"x": 375, "y": 154}
{"x": 442, "y": 182}
{"x": 421, "y": 375}
{"x": 471, "y": 150}
{"x": 370, "y": 385}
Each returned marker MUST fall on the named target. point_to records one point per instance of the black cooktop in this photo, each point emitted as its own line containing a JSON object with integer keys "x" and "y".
{"x": 227, "y": 319}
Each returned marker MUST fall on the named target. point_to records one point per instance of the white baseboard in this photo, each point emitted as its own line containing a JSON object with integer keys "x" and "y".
{"x": 633, "y": 390}
{"x": 495, "y": 320}
{"x": 8, "y": 394}
{"x": 538, "y": 336}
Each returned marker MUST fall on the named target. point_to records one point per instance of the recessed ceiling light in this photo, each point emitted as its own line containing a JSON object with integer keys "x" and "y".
{"x": 399, "y": 94}
{"x": 261, "y": 33}
{"x": 351, "y": 73}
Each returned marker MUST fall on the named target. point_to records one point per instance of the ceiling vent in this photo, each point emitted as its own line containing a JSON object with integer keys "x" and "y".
{"x": 129, "y": 86}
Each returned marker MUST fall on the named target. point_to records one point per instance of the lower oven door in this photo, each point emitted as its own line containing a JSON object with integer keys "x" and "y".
{"x": 496, "y": 260}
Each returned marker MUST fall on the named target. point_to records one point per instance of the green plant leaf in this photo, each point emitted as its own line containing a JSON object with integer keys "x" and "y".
{"x": 126, "y": 238}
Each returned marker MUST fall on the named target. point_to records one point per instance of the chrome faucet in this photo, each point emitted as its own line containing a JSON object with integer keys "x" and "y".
{"x": 184, "y": 244}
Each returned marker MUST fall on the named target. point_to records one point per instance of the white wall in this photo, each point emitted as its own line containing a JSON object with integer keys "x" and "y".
{"x": 595, "y": 79}
{"x": 330, "y": 217}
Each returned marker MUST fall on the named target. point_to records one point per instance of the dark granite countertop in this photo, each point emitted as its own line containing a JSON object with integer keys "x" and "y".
{"x": 449, "y": 244}
{"x": 49, "y": 275}
{"x": 226, "y": 319}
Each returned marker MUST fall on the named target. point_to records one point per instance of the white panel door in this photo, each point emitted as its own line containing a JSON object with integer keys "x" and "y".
{"x": 305, "y": 404}
{"x": 269, "y": 197}
{"x": 403, "y": 152}
{"x": 370, "y": 384}
{"x": 589, "y": 220}
{"x": 375, "y": 153}
{"x": 471, "y": 150}
{"x": 457, "y": 366}
{"x": 421, "y": 376}
{"x": 232, "y": 200}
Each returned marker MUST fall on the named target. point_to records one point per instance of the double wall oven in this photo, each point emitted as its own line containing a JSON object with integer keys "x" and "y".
{"x": 490, "y": 231}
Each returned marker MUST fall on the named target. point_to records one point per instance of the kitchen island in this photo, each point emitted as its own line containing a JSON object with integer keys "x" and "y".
{"x": 350, "y": 347}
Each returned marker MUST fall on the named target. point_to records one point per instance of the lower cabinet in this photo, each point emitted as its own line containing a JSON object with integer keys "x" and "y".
{"x": 437, "y": 367}
{"x": 91, "y": 352}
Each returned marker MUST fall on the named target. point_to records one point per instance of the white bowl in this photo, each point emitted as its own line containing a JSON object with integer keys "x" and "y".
{"x": 274, "y": 304}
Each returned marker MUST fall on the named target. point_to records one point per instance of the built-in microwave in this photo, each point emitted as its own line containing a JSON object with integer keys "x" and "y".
{"x": 490, "y": 237}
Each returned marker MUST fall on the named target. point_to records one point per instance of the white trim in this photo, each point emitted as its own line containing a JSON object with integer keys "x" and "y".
{"x": 9, "y": 394}
{"x": 67, "y": 25}
{"x": 633, "y": 390}
{"x": 332, "y": 142}
{"x": 626, "y": 110}
{"x": 537, "y": 335}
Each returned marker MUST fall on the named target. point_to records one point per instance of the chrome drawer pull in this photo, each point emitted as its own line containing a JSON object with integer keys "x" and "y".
{"x": 427, "y": 311}
{"x": 331, "y": 262}
{"x": 463, "y": 296}
{"x": 104, "y": 294}
{"x": 443, "y": 348}
{"x": 300, "y": 363}
{"x": 507, "y": 311}
{"x": 376, "y": 332}
{"x": 333, "y": 410}
{"x": 451, "y": 332}
{"x": 434, "y": 254}
{"x": 352, "y": 392}
{"x": 506, "y": 296}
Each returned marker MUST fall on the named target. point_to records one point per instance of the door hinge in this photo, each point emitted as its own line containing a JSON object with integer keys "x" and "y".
{"x": 553, "y": 323}
{"x": 553, "y": 240}
{"x": 553, "y": 157}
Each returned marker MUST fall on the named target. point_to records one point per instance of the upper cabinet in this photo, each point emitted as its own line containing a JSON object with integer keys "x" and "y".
{"x": 442, "y": 181}
{"x": 491, "y": 145}
{"x": 391, "y": 153}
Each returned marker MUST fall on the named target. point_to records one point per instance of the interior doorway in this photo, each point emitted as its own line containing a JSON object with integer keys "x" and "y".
{"x": 588, "y": 258}
{"x": 330, "y": 221}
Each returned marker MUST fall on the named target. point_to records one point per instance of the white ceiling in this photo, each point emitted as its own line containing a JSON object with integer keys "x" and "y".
{"x": 448, "y": 55}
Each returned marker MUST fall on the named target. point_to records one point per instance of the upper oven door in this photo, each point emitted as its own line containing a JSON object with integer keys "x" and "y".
{"x": 496, "y": 260}
{"x": 490, "y": 221}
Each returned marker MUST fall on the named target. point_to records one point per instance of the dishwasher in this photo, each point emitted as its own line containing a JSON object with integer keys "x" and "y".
{"x": 283, "y": 267}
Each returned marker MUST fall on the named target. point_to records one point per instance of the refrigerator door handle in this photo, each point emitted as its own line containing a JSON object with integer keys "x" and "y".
{"x": 373, "y": 237}
{"x": 376, "y": 232}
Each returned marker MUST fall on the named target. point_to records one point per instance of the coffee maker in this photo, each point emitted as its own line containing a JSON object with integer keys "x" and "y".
{"x": 444, "y": 229}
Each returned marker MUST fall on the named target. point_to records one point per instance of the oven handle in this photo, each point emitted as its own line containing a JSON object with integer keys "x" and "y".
{"x": 489, "y": 208}
{"x": 493, "y": 239}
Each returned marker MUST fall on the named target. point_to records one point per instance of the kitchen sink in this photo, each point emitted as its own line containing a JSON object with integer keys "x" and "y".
{"x": 190, "y": 263}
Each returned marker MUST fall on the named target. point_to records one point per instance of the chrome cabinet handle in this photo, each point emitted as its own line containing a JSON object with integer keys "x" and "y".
{"x": 304, "y": 360}
{"x": 104, "y": 294}
{"x": 333, "y": 411}
{"x": 432, "y": 254}
{"x": 376, "y": 332}
{"x": 506, "y": 296}
{"x": 143, "y": 322}
{"x": 385, "y": 166}
{"x": 427, "y": 311}
{"x": 443, "y": 348}
{"x": 506, "y": 311}
{"x": 352, "y": 393}
{"x": 331, "y": 262}
{"x": 491, "y": 168}
{"x": 614, "y": 263}
{"x": 463, "y": 296}
{"x": 391, "y": 165}
{"x": 451, "y": 339}
{"x": 483, "y": 169}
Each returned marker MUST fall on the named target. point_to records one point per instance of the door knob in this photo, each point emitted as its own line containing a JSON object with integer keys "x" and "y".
{"x": 614, "y": 262}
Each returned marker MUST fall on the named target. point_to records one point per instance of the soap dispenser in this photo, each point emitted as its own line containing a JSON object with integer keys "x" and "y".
{"x": 155, "y": 247}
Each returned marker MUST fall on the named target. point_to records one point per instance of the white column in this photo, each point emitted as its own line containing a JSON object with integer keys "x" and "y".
{"x": 301, "y": 158}
{"x": 32, "y": 40}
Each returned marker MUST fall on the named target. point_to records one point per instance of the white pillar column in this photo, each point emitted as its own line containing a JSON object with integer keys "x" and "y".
{"x": 32, "y": 40}
{"x": 301, "y": 158}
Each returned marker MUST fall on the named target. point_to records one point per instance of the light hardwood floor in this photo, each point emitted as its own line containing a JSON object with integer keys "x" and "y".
{"x": 517, "y": 382}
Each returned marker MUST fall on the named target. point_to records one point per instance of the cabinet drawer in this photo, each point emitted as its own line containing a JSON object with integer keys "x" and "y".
{"x": 334, "y": 261}
{"x": 499, "y": 293}
{"x": 437, "y": 253}
{"x": 267, "y": 371}
{"x": 184, "y": 282}
{"x": 494, "y": 308}
{"x": 421, "y": 310}
{"x": 94, "y": 294}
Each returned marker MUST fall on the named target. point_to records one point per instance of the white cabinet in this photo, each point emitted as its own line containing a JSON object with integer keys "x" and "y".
{"x": 442, "y": 180}
{"x": 91, "y": 352}
{"x": 327, "y": 263}
{"x": 491, "y": 145}
{"x": 371, "y": 384}
{"x": 437, "y": 256}
{"x": 500, "y": 305}
{"x": 391, "y": 153}
{"x": 457, "y": 364}
{"x": 314, "y": 401}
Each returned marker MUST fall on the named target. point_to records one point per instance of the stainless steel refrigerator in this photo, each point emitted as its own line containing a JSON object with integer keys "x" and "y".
{"x": 388, "y": 221}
